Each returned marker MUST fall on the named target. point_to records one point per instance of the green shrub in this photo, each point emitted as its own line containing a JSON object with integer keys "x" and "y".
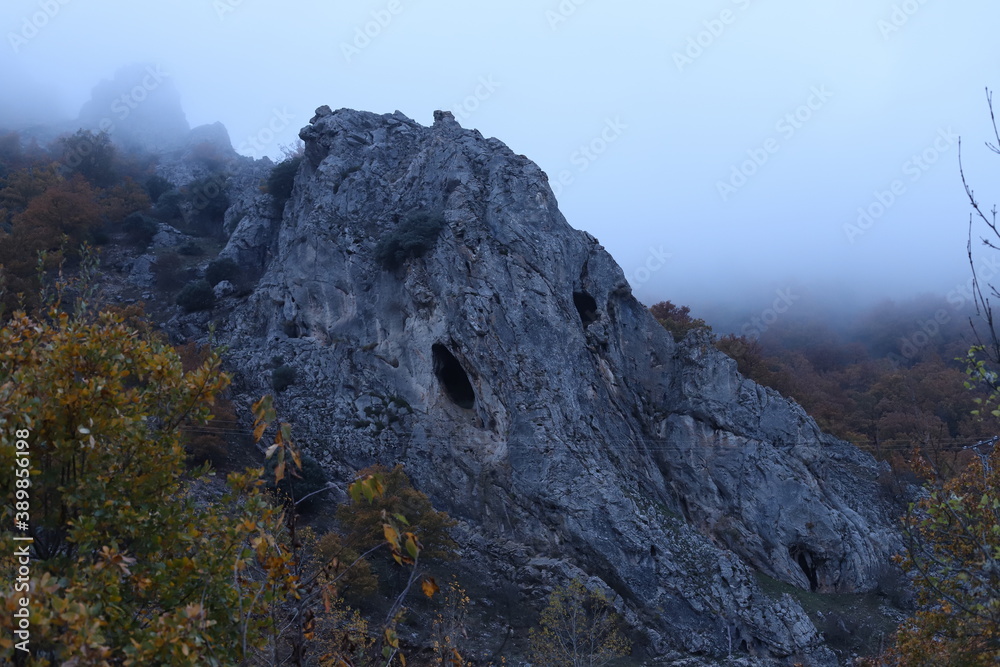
{"x": 140, "y": 229}
{"x": 282, "y": 377}
{"x": 191, "y": 249}
{"x": 209, "y": 202}
{"x": 170, "y": 272}
{"x": 196, "y": 295}
{"x": 99, "y": 237}
{"x": 281, "y": 181}
{"x": 168, "y": 206}
{"x": 93, "y": 156}
{"x": 156, "y": 186}
{"x": 222, "y": 269}
{"x": 412, "y": 238}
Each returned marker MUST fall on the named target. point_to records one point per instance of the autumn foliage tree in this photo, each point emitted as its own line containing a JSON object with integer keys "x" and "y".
{"x": 953, "y": 556}
{"x": 578, "y": 628}
{"x": 127, "y": 568}
{"x": 66, "y": 209}
{"x": 43, "y": 212}
{"x": 362, "y": 526}
{"x": 318, "y": 617}
{"x": 677, "y": 319}
{"x": 128, "y": 565}
{"x": 45, "y": 215}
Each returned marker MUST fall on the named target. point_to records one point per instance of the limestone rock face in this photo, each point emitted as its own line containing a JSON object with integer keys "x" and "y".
{"x": 505, "y": 362}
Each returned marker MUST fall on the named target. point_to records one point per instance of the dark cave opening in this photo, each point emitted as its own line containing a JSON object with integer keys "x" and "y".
{"x": 586, "y": 306}
{"x": 805, "y": 561}
{"x": 453, "y": 377}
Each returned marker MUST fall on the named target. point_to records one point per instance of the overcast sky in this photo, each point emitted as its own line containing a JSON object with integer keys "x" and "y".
{"x": 718, "y": 149}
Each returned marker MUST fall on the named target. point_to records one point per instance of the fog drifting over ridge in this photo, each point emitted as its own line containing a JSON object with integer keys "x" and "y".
{"x": 722, "y": 152}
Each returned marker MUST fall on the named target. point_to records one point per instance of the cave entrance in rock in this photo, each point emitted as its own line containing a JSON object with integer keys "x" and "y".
{"x": 806, "y": 561}
{"x": 586, "y": 306}
{"x": 453, "y": 377}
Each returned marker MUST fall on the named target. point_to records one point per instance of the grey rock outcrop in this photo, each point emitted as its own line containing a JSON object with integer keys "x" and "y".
{"x": 223, "y": 289}
{"x": 506, "y": 363}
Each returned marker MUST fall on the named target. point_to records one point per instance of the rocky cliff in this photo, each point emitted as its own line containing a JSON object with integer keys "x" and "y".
{"x": 440, "y": 312}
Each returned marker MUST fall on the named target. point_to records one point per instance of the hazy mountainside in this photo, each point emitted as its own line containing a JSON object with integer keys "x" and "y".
{"x": 892, "y": 379}
{"x": 438, "y": 311}
{"x": 416, "y": 297}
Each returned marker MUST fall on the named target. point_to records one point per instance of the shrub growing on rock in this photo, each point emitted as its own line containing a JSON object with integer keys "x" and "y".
{"x": 677, "y": 319}
{"x": 196, "y": 295}
{"x": 282, "y": 377}
{"x": 170, "y": 272}
{"x": 168, "y": 206}
{"x": 208, "y": 203}
{"x": 156, "y": 186}
{"x": 281, "y": 180}
{"x": 191, "y": 249}
{"x": 221, "y": 269}
{"x": 140, "y": 229}
{"x": 412, "y": 238}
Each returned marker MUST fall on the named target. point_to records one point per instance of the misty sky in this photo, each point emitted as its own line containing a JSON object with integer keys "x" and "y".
{"x": 726, "y": 145}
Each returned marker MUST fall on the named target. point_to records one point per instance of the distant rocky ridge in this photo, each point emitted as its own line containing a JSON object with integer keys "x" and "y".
{"x": 139, "y": 107}
{"x": 140, "y": 110}
{"x": 509, "y": 367}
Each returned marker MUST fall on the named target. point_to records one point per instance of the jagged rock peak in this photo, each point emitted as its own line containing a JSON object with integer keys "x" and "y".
{"x": 440, "y": 312}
